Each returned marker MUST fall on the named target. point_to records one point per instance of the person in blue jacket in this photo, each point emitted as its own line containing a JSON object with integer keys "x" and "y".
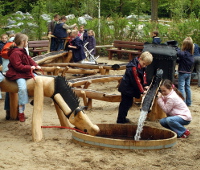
{"x": 186, "y": 61}
{"x": 77, "y": 47}
{"x": 133, "y": 84}
{"x": 60, "y": 32}
{"x": 196, "y": 65}
{"x": 156, "y": 39}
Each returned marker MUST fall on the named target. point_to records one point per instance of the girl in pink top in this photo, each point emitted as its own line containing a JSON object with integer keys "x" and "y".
{"x": 172, "y": 103}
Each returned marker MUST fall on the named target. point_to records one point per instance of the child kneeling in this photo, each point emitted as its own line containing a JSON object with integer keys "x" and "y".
{"x": 172, "y": 103}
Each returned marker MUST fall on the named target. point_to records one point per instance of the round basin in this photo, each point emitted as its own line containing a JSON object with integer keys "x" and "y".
{"x": 121, "y": 136}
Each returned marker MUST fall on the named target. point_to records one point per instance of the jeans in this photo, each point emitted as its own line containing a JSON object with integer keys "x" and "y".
{"x": 197, "y": 67}
{"x": 184, "y": 87}
{"x": 175, "y": 123}
{"x": 124, "y": 106}
{"x": 22, "y": 93}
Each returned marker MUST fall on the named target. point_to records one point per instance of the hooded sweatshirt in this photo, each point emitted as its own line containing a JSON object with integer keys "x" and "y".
{"x": 20, "y": 64}
{"x": 133, "y": 80}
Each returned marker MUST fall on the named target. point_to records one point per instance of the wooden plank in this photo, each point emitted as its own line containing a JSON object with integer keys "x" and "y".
{"x": 129, "y": 46}
{"x": 128, "y": 42}
{"x": 126, "y": 51}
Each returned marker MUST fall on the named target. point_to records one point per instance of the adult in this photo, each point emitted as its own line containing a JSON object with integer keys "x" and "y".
{"x": 60, "y": 32}
{"x": 51, "y": 27}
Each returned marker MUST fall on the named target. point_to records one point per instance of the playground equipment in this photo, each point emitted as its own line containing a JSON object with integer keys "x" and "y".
{"x": 65, "y": 101}
{"x": 120, "y": 136}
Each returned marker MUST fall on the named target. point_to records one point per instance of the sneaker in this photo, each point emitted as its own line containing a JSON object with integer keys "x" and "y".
{"x": 125, "y": 121}
{"x": 21, "y": 117}
{"x": 186, "y": 134}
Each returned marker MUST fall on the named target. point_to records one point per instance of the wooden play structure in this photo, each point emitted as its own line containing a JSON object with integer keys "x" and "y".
{"x": 120, "y": 136}
{"x": 66, "y": 104}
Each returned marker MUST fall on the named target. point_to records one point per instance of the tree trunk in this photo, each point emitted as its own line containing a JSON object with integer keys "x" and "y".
{"x": 154, "y": 10}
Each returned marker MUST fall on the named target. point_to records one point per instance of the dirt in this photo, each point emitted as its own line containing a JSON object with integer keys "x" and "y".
{"x": 57, "y": 151}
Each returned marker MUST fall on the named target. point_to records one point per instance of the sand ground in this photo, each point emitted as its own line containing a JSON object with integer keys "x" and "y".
{"x": 58, "y": 152}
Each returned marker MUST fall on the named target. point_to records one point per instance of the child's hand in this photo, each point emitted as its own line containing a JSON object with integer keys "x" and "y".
{"x": 159, "y": 95}
{"x": 32, "y": 67}
{"x": 146, "y": 88}
{"x": 38, "y": 67}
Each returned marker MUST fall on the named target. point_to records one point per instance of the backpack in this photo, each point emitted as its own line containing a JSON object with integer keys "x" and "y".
{"x": 5, "y": 49}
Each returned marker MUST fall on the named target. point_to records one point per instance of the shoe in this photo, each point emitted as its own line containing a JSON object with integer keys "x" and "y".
{"x": 186, "y": 134}
{"x": 21, "y": 117}
{"x": 7, "y": 114}
{"x": 126, "y": 120}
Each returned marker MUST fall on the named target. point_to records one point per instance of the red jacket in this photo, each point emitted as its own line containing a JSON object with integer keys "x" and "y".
{"x": 20, "y": 64}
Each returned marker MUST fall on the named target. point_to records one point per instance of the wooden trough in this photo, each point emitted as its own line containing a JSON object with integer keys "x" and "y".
{"x": 121, "y": 136}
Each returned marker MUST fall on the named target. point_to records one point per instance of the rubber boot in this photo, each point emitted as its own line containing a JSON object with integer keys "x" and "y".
{"x": 21, "y": 117}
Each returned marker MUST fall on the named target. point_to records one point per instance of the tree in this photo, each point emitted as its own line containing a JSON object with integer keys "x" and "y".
{"x": 154, "y": 10}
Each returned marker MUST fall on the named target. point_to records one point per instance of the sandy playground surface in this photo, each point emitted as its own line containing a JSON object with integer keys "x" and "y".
{"x": 58, "y": 152}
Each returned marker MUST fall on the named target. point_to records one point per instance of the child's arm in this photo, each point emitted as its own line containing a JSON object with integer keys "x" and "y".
{"x": 71, "y": 46}
{"x": 165, "y": 106}
{"x": 137, "y": 80}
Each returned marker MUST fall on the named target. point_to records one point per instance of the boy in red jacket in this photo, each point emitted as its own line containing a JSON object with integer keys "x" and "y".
{"x": 132, "y": 84}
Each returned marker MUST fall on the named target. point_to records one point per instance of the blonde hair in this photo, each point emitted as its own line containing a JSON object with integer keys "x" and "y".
{"x": 188, "y": 45}
{"x": 19, "y": 37}
{"x": 2, "y": 35}
{"x": 92, "y": 32}
{"x": 75, "y": 32}
{"x": 147, "y": 57}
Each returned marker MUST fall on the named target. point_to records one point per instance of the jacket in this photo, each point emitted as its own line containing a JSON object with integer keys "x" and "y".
{"x": 196, "y": 50}
{"x": 173, "y": 105}
{"x": 156, "y": 40}
{"x": 20, "y": 64}
{"x": 84, "y": 36}
{"x": 91, "y": 44}
{"x": 51, "y": 26}
{"x": 186, "y": 61}
{"x": 78, "y": 54}
{"x": 133, "y": 80}
{"x": 1, "y": 46}
{"x": 59, "y": 31}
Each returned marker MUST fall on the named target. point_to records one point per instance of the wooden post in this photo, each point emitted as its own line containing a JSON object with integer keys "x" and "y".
{"x": 69, "y": 57}
{"x": 156, "y": 112}
{"x": 13, "y": 105}
{"x": 62, "y": 118}
{"x": 37, "y": 110}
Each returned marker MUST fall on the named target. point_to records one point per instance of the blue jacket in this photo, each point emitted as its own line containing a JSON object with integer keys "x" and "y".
{"x": 133, "y": 80}
{"x": 59, "y": 31}
{"x": 91, "y": 44}
{"x": 78, "y": 54}
{"x": 196, "y": 50}
{"x": 186, "y": 61}
{"x": 156, "y": 40}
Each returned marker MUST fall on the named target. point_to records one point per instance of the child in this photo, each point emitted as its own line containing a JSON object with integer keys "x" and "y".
{"x": 186, "y": 61}
{"x": 132, "y": 84}
{"x": 83, "y": 34}
{"x": 91, "y": 43}
{"x": 156, "y": 39}
{"x": 20, "y": 69}
{"x": 77, "y": 47}
{"x": 60, "y": 31}
{"x": 178, "y": 114}
{"x": 51, "y": 27}
{"x": 4, "y": 39}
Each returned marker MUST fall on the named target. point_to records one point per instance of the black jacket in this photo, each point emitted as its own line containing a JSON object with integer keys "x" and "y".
{"x": 133, "y": 80}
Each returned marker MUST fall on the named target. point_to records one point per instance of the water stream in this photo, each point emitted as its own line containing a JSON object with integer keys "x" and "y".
{"x": 142, "y": 118}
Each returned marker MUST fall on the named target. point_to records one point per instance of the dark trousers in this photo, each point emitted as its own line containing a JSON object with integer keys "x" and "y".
{"x": 197, "y": 67}
{"x": 124, "y": 106}
{"x": 53, "y": 44}
{"x": 7, "y": 102}
{"x": 59, "y": 44}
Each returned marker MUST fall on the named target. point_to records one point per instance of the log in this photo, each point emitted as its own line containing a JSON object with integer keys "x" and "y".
{"x": 91, "y": 94}
{"x": 62, "y": 118}
{"x": 156, "y": 112}
{"x": 13, "y": 105}
{"x": 37, "y": 110}
{"x": 97, "y": 80}
{"x": 61, "y": 103}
